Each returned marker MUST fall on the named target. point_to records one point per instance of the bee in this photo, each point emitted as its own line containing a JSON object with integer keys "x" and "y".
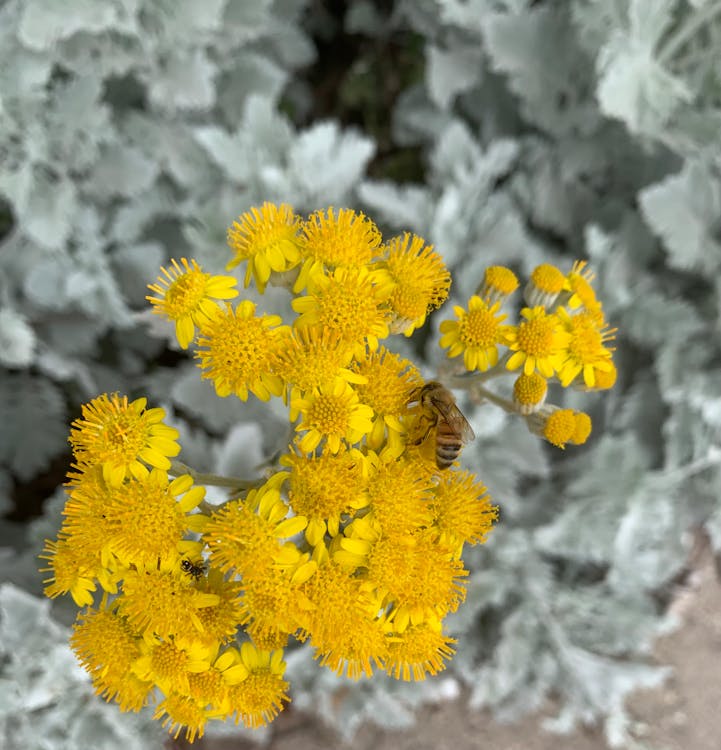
{"x": 195, "y": 570}
{"x": 439, "y": 410}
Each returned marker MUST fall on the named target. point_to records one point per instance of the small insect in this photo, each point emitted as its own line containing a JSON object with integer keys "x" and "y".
{"x": 439, "y": 410}
{"x": 196, "y": 570}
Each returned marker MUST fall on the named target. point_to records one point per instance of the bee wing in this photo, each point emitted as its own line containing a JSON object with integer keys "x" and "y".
{"x": 454, "y": 416}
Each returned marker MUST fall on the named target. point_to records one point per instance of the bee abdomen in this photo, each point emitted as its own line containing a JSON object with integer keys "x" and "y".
{"x": 447, "y": 453}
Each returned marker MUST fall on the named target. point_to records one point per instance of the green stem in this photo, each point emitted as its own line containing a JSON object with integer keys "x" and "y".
{"x": 177, "y": 468}
{"x": 694, "y": 23}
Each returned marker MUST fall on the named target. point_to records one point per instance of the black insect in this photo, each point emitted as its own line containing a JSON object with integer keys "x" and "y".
{"x": 196, "y": 570}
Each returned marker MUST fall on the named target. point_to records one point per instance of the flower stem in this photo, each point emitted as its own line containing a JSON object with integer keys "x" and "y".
{"x": 216, "y": 480}
{"x": 504, "y": 403}
{"x": 470, "y": 380}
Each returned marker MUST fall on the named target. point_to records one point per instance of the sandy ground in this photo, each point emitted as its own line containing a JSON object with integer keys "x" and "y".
{"x": 685, "y": 714}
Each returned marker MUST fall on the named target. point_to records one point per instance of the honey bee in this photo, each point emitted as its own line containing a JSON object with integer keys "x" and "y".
{"x": 195, "y": 570}
{"x": 439, "y": 410}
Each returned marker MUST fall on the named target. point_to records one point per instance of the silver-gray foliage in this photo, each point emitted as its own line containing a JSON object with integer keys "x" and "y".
{"x": 135, "y": 130}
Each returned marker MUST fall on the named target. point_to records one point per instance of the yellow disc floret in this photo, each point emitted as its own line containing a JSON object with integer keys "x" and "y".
{"x": 529, "y": 392}
{"x": 544, "y": 285}
{"x": 499, "y": 282}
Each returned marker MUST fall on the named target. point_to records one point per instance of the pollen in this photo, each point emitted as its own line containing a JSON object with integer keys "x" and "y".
{"x": 476, "y": 334}
{"x": 535, "y": 336}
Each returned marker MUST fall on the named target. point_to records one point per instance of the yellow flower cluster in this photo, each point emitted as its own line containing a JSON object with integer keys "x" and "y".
{"x": 352, "y": 543}
{"x": 562, "y": 336}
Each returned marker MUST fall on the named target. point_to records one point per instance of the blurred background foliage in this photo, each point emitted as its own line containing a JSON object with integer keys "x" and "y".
{"x": 503, "y": 131}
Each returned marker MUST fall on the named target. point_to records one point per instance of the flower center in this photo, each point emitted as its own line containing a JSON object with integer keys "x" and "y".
{"x": 479, "y": 328}
{"x": 185, "y": 293}
{"x": 535, "y": 337}
{"x": 329, "y": 414}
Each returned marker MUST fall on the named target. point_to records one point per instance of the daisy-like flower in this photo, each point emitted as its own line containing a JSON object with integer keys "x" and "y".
{"x": 462, "y": 509}
{"x": 259, "y": 697}
{"x": 329, "y": 241}
{"x": 333, "y": 414}
{"x": 586, "y": 352}
{"x": 168, "y": 663}
{"x": 499, "y": 282}
{"x": 142, "y": 521}
{"x": 418, "y": 651}
{"x": 350, "y": 301}
{"x": 313, "y": 357}
{"x": 529, "y": 392}
{"x": 399, "y": 495}
{"x": 418, "y": 576}
{"x": 122, "y": 437}
{"x": 476, "y": 334}
{"x": 544, "y": 286}
{"x": 246, "y": 536}
{"x": 421, "y": 281}
{"x": 579, "y": 292}
{"x": 388, "y": 381}
{"x": 219, "y": 621}
{"x": 236, "y": 350}
{"x": 160, "y": 602}
{"x": 107, "y": 647}
{"x": 272, "y": 607}
{"x": 267, "y": 237}
{"x": 178, "y": 712}
{"x": 343, "y": 625}
{"x": 324, "y": 488}
{"x": 72, "y": 570}
{"x": 186, "y": 296}
{"x": 538, "y": 342}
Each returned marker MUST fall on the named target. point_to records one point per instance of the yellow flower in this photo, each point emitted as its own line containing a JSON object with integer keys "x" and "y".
{"x": 259, "y": 697}
{"x": 310, "y": 358}
{"x": 348, "y": 240}
{"x": 267, "y": 237}
{"x": 462, "y": 509}
{"x": 476, "y": 334}
{"x": 578, "y": 288}
{"x": 122, "y": 437}
{"x": 343, "y": 625}
{"x": 179, "y": 711}
{"x": 421, "y": 281}
{"x": 387, "y": 383}
{"x": 538, "y": 342}
{"x": 142, "y": 521}
{"x": 245, "y": 536}
{"x": 544, "y": 286}
{"x": 332, "y": 414}
{"x": 529, "y": 392}
{"x": 219, "y": 621}
{"x": 186, "y": 297}
{"x": 323, "y": 488}
{"x": 560, "y": 426}
{"x": 499, "y": 282}
{"x": 107, "y": 647}
{"x": 350, "y": 301}
{"x": 236, "y": 350}
{"x": 160, "y": 602}
{"x": 73, "y": 570}
{"x": 586, "y": 352}
{"x": 419, "y": 650}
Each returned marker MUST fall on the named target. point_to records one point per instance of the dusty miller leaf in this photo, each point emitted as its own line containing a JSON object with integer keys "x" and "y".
{"x": 17, "y": 339}
{"x": 35, "y": 408}
{"x": 450, "y": 72}
{"x": 685, "y": 211}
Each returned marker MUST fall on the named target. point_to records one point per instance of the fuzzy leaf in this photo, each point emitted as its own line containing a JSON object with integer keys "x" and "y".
{"x": 120, "y": 171}
{"x": 183, "y": 81}
{"x": 35, "y": 408}
{"x": 684, "y": 210}
{"x": 49, "y": 216}
{"x": 17, "y": 339}
{"x": 44, "y": 22}
{"x": 633, "y": 85}
{"x": 451, "y": 72}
